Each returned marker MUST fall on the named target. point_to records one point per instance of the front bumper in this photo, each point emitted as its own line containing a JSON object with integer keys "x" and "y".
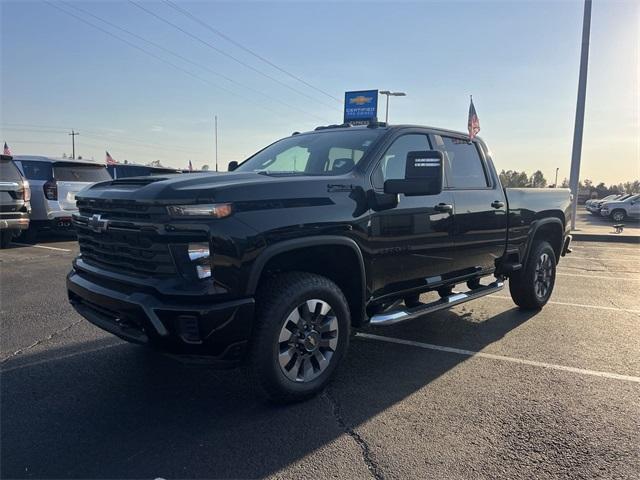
{"x": 219, "y": 331}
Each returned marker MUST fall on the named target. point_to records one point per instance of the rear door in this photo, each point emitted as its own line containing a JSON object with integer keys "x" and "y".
{"x": 633, "y": 210}
{"x": 71, "y": 178}
{"x": 481, "y": 211}
{"x": 411, "y": 245}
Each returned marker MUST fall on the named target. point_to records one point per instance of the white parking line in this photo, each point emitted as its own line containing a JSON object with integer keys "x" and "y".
{"x": 42, "y": 246}
{"x": 580, "y": 305}
{"x": 471, "y": 353}
{"x": 620, "y": 259}
{"x": 626, "y": 279}
{"x": 580, "y": 247}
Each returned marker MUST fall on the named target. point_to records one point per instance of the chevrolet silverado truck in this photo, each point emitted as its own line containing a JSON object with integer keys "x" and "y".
{"x": 319, "y": 234}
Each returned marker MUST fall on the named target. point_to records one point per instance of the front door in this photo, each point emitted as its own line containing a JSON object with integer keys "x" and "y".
{"x": 481, "y": 210}
{"x": 411, "y": 245}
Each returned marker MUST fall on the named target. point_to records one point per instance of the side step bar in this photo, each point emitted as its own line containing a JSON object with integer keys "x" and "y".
{"x": 401, "y": 315}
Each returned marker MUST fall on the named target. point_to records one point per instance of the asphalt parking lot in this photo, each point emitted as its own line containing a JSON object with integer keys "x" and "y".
{"x": 481, "y": 391}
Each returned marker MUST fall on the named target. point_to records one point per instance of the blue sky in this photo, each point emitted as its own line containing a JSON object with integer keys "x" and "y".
{"x": 518, "y": 59}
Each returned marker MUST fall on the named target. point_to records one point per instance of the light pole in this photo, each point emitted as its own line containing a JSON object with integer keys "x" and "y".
{"x": 390, "y": 94}
{"x": 574, "y": 176}
{"x": 556, "y": 183}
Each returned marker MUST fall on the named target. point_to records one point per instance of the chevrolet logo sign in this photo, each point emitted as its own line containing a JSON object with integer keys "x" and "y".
{"x": 97, "y": 224}
{"x": 361, "y": 100}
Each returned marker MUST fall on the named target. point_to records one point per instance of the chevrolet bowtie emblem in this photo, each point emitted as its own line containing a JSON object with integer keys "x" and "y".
{"x": 97, "y": 224}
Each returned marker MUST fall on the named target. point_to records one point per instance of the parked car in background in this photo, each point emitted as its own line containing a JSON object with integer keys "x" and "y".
{"x": 593, "y": 201}
{"x": 54, "y": 185}
{"x": 14, "y": 201}
{"x": 595, "y": 207}
{"x": 619, "y": 210}
{"x": 124, "y": 170}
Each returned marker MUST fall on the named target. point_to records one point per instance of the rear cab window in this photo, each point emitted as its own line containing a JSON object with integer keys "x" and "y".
{"x": 67, "y": 172}
{"x": 463, "y": 165}
{"x": 9, "y": 172}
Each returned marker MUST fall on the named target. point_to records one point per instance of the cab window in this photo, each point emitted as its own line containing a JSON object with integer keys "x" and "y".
{"x": 463, "y": 167}
{"x": 393, "y": 163}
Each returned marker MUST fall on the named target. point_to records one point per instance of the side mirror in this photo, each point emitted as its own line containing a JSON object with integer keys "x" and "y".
{"x": 423, "y": 175}
{"x": 232, "y": 165}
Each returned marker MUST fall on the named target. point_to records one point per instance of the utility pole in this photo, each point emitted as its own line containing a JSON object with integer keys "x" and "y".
{"x": 556, "y": 182}
{"x": 216, "y": 131}
{"x": 73, "y": 144}
{"x": 576, "y": 153}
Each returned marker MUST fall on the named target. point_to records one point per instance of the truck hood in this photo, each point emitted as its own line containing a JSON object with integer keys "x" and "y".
{"x": 195, "y": 188}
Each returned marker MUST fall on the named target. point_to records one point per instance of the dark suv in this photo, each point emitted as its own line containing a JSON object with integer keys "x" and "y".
{"x": 315, "y": 235}
{"x": 14, "y": 201}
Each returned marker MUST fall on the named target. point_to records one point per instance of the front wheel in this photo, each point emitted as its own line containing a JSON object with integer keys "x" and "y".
{"x": 301, "y": 334}
{"x": 532, "y": 286}
{"x": 618, "y": 215}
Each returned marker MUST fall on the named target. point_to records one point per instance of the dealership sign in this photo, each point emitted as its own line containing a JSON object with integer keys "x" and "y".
{"x": 360, "y": 107}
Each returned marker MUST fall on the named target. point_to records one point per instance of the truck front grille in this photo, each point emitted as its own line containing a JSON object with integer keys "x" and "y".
{"x": 121, "y": 210}
{"x": 124, "y": 239}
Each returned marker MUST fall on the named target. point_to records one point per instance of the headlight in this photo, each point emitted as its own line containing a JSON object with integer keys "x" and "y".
{"x": 200, "y": 257}
{"x": 213, "y": 210}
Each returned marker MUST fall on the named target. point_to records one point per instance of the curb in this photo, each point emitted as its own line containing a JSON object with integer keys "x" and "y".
{"x": 606, "y": 237}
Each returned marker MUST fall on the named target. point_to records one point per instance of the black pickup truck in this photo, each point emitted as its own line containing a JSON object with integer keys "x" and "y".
{"x": 318, "y": 234}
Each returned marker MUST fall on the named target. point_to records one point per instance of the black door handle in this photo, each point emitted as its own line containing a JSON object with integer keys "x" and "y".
{"x": 443, "y": 207}
{"x": 497, "y": 204}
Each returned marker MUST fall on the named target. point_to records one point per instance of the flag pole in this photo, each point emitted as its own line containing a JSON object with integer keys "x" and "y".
{"x": 216, "y": 135}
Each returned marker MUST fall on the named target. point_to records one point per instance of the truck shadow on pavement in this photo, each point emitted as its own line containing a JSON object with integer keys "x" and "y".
{"x": 106, "y": 409}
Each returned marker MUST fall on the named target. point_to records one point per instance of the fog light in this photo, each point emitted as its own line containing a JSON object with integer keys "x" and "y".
{"x": 200, "y": 256}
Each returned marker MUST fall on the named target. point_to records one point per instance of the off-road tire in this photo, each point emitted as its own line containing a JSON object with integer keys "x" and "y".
{"x": 523, "y": 284}
{"x": 278, "y": 297}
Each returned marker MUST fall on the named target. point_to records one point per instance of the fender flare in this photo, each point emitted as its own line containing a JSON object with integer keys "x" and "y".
{"x": 535, "y": 227}
{"x": 298, "y": 243}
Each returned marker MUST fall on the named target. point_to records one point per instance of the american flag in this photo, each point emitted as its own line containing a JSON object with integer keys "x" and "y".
{"x": 110, "y": 160}
{"x": 474, "y": 122}
{"x": 190, "y": 166}
{"x": 6, "y": 150}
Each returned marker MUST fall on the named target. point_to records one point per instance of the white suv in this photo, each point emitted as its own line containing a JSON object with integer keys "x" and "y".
{"x": 620, "y": 210}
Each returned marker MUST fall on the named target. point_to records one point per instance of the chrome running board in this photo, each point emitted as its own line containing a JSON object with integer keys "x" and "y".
{"x": 403, "y": 314}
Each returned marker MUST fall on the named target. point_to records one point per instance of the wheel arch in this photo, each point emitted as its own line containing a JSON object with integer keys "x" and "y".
{"x": 550, "y": 229}
{"x": 337, "y": 258}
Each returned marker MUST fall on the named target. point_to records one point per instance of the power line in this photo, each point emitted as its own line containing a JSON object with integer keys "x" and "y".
{"x": 185, "y": 59}
{"x": 246, "y": 49}
{"x": 158, "y": 57}
{"x": 92, "y": 134}
{"x": 228, "y": 55}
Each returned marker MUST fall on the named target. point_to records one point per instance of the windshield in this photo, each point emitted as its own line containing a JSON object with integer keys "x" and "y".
{"x": 80, "y": 173}
{"x": 321, "y": 153}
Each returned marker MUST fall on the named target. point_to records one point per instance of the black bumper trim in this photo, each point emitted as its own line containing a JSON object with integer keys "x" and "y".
{"x": 84, "y": 288}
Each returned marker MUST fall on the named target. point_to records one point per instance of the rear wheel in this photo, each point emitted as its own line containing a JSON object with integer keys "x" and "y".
{"x": 30, "y": 235}
{"x": 532, "y": 286}
{"x": 301, "y": 334}
{"x": 5, "y": 238}
{"x": 618, "y": 215}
